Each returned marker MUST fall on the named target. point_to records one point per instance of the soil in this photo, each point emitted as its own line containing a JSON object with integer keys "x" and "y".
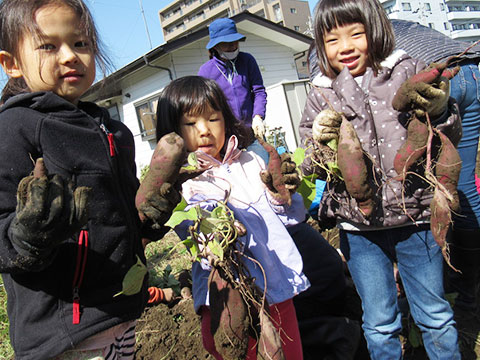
{"x": 170, "y": 332}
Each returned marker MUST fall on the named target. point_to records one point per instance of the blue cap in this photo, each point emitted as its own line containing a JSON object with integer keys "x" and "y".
{"x": 223, "y": 30}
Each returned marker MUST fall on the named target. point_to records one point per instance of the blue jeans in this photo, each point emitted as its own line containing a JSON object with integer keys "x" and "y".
{"x": 465, "y": 88}
{"x": 370, "y": 256}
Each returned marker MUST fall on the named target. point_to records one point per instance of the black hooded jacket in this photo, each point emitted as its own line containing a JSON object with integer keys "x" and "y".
{"x": 74, "y": 142}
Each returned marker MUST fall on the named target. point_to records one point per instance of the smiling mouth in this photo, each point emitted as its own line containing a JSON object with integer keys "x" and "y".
{"x": 349, "y": 61}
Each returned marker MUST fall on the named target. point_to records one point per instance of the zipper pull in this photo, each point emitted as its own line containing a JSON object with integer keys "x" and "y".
{"x": 76, "y": 306}
{"x": 111, "y": 141}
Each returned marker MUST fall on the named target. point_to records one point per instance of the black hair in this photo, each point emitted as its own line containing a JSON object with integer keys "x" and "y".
{"x": 17, "y": 18}
{"x": 330, "y": 14}
{"x": 193, "y": 95}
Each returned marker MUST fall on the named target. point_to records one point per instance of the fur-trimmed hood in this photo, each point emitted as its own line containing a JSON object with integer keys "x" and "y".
{"x": 389, "y": 63}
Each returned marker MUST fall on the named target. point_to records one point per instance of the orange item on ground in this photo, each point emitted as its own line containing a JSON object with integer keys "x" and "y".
{"x": 156, "y": 295}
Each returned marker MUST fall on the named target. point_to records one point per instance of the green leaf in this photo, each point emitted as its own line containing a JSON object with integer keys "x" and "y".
{"x": 133, "y": 280}
{"x": 192, "y": 159}
{"x": 333, "y": 144}
{"x": 307, "y": 189}
{"x": 210, "y": 225}
{"x": 181, "y": 205}
{"x": 179, "y": 216}
{"x": 216, "y": 249}
{"x": 299, "y": 156}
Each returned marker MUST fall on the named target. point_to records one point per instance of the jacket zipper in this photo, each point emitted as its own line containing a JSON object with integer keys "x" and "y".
{"x": 111, "y": 141}
{"x": 79, "y": 272}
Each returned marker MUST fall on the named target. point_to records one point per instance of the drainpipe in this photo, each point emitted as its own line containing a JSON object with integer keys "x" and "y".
{"x": 158, "y": 67}
{"x": 298, "y": 57}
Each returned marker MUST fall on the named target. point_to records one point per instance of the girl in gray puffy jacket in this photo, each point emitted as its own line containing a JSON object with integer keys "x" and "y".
{"x": 360, "y": 76}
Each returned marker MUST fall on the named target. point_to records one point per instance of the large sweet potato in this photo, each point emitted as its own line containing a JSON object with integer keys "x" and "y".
{"x": 447, "y": 170}
{"x": 229, "y": 317}
{"x": 413, "y": 148}
{"x": 352, "y": 165}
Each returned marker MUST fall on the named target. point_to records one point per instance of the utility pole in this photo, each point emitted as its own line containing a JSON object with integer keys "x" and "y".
{"x": 145, "y": 22}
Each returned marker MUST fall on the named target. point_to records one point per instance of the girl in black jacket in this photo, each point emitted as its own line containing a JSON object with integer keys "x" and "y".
{"x": 69, "y": 231}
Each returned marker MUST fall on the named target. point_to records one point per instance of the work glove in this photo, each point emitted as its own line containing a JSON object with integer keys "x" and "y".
{"x": 258, "y": 126}
{"x": 326, "y": 126}
{"x": 49, "y": 211}
{"x": 289, "y": 175}
{"x": 425, "y": 92}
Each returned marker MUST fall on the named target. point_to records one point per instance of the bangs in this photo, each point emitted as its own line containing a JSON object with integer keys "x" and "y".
{"x": 341, "y": 14}
{"x": 198, "y": 102}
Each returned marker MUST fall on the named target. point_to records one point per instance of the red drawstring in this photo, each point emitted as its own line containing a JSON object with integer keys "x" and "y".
{"x": 112, "y": 144}
{"x": 79, "y": 271}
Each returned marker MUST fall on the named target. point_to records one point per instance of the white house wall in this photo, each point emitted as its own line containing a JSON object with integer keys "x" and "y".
{"x": 275, "y": 61}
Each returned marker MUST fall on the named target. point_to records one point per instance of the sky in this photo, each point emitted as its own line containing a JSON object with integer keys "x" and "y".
{"x": 122, "y": 27}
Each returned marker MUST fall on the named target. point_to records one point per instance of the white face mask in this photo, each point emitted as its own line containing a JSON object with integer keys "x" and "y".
{"x": 230, "y": 55}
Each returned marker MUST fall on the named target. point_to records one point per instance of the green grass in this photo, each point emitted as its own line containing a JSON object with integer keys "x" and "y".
{"x": 6, "y": 351}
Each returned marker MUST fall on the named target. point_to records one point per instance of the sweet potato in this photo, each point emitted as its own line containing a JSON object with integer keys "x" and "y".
{"x": 351, "y": 162}
{"x": 270, "y": 344}
{"x": 440, "y": 220}
{"x": 229, "y": 317}
{"x": 273, "y": 176}
{"x": 447, "y": 170}
{"x": 413, "y": 148}
{"x": 158, "y": 192}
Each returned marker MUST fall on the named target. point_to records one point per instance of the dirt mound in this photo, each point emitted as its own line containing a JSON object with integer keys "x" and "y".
{"x": 170, "y": 332}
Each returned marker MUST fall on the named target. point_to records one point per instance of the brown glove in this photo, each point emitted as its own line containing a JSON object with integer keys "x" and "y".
{"x": 290, "y": 177}
{"x": 49, "y": 211}
{"x": 425, "y": 92}
{"x": 326, "y": 126}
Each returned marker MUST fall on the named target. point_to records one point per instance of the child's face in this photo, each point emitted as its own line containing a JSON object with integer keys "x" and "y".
{"x": 205, "y": 132}
{"x": 62, "y": 60}
{"x": 347, "y": 46}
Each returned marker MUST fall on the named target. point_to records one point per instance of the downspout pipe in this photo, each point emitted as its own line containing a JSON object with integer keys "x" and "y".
{"x": 158, "y": 67}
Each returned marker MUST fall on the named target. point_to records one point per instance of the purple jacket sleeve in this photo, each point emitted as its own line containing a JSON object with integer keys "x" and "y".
{"x": 258, "y": 89}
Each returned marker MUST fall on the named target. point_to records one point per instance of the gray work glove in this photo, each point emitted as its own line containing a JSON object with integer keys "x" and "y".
{"x": 326, "y": 126}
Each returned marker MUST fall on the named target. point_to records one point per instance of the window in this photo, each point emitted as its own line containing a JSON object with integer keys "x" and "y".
{"x": 147, "y": 118}
{"x": 406, "y": 6}
{"x": 445, "y": 26}
{"x": 277, "y": 12}
{"x": 389, "y": 9}
{"x": 304, "y": 63}
{"x": 293, "y": 10}
{"x": 427, "y": 7}
{"x": 296, "y": 28}
{"x": 431, "y": 26}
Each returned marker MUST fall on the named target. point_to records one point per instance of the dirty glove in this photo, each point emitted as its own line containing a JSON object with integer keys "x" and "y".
{"x": 258, "y": 126}
{"x": 159, "y": 193}
{"x": 426, "y": 92}
{"x": 289, "y": 175}
{"x": 326, "y": 126}
{"x": 48, "y": 212}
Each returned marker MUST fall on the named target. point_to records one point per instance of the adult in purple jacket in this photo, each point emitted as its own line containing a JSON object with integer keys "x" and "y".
{"x": 237, "y": 73}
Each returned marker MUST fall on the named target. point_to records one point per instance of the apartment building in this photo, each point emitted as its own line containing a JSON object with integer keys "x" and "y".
{"x": 182, "y": 17}
{"x": 458, "y": 19}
